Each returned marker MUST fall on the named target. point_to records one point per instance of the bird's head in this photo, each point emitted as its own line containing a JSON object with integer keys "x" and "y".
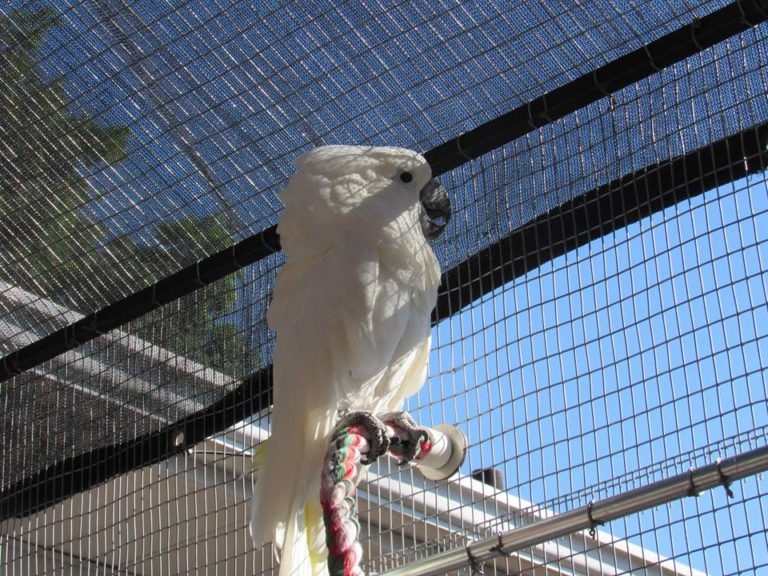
{"x": 387, "y": 178}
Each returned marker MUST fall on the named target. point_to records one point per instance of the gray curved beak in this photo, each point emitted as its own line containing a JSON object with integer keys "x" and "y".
{"x": 436, "y": 209}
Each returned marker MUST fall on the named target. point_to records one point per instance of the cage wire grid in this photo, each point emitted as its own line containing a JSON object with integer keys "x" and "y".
{"x": 613, "y": 364}
{"x": 106, "y": 70}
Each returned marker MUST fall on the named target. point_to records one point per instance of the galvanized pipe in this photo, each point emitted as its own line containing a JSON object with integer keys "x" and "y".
{"x": 721, "y": 473}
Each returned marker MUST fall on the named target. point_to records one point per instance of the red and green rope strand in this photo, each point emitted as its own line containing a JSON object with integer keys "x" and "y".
{"x": 359, "y": 439}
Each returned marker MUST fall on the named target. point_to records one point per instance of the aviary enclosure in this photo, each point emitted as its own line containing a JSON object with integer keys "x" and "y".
{"x": 601, "y": 333}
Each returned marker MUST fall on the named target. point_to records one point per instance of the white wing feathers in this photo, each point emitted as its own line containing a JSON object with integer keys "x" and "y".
{"x": 351, "y": 310}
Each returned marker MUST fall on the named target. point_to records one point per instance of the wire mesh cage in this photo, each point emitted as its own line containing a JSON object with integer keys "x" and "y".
{"x": 601, "y": 325}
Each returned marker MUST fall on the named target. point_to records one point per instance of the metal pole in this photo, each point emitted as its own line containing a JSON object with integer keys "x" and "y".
{"x": 721, "y": 473}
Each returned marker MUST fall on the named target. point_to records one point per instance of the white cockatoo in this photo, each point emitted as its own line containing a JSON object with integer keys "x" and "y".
{"x": 351, "y": 309}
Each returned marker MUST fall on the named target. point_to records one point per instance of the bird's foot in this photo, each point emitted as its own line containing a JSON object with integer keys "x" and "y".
{"x": 410, "y": 439}
{"x": 378, "y": 441}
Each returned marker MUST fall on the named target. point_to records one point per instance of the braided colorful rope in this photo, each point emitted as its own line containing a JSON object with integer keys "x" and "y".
{"x": 360, "y": 438}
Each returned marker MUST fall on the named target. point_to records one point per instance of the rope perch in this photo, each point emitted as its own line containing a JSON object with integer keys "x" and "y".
{"x": 361, "y": 438}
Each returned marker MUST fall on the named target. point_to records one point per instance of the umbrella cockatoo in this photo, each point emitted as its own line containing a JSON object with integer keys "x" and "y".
{"x": 351, "y": 310}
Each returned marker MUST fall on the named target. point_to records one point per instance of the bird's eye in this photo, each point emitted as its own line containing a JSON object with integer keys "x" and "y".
{"x": 406, "y": 177}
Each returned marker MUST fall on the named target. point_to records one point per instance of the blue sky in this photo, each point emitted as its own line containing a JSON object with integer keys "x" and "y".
{"x": 254, "y": 87}
{"x": 644, "y": 348}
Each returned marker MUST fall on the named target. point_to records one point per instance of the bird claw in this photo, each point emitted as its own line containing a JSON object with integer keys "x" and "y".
{"x": 406, "y": 443}
{"x": 378, "y": 441}
{"x": 408, "y": 435}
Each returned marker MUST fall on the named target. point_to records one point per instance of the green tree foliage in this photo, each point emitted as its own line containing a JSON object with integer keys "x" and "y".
{"x": 44, "y": 233}
{"x": 199, "y": 320}
{"x": 43, "y": 148}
